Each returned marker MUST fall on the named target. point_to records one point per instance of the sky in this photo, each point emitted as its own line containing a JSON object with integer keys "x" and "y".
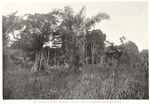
{"x": 129, "y": 19}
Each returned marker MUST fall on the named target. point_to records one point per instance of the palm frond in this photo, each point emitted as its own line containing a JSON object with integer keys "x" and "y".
{"x": 82, "y": 12}
{"x": 96, "y": 19}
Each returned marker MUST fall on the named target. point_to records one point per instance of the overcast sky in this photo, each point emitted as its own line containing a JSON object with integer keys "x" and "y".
{"x": 129, "y": 19}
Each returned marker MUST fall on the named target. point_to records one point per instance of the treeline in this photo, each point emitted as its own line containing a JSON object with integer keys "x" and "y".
{"x": 79, "y": 45}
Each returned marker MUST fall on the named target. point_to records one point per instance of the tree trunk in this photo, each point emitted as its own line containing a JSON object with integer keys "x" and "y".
{"x": 92, "y": 62}
{"x": 81, "y": 53}
{"x": 101, "y": 61}
{"x": 92, "y": 53}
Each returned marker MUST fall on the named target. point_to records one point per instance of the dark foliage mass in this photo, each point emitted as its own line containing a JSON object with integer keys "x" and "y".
{"x": 58, "y": 56}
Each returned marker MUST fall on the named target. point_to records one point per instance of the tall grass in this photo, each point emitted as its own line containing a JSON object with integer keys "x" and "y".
{"x": 94, "y": 82}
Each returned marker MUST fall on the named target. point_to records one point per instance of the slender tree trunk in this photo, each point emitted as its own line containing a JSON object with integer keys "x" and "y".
{"x": 92, "y": 58}
{"x": 101, "y": 61}
{"x": 48, "y": 56}
{"x": 81, "y": 53}
{"x": 92, "y": 53}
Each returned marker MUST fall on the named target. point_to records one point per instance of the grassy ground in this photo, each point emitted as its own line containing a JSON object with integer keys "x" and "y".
{"x": 93, "y": 82}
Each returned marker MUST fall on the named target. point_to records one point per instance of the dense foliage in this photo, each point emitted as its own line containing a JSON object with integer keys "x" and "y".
{"x": 57, "y": 56}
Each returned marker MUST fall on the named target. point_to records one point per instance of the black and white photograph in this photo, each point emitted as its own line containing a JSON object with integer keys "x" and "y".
{"x": 94, "y": 50}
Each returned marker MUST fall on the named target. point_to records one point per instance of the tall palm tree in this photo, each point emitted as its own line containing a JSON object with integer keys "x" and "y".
{"x": 78, "y": 25}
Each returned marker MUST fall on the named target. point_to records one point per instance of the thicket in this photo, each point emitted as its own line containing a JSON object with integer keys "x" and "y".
{"x": 57, "y": 56}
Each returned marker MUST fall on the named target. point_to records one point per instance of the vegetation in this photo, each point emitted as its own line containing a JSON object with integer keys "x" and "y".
{"x": 57, "y": 56}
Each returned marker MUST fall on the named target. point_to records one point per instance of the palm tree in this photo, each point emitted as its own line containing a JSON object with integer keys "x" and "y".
{"x": 78, "y": 25}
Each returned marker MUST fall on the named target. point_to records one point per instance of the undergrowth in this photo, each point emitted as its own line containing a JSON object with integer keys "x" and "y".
{"x": 93, "y": 82}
